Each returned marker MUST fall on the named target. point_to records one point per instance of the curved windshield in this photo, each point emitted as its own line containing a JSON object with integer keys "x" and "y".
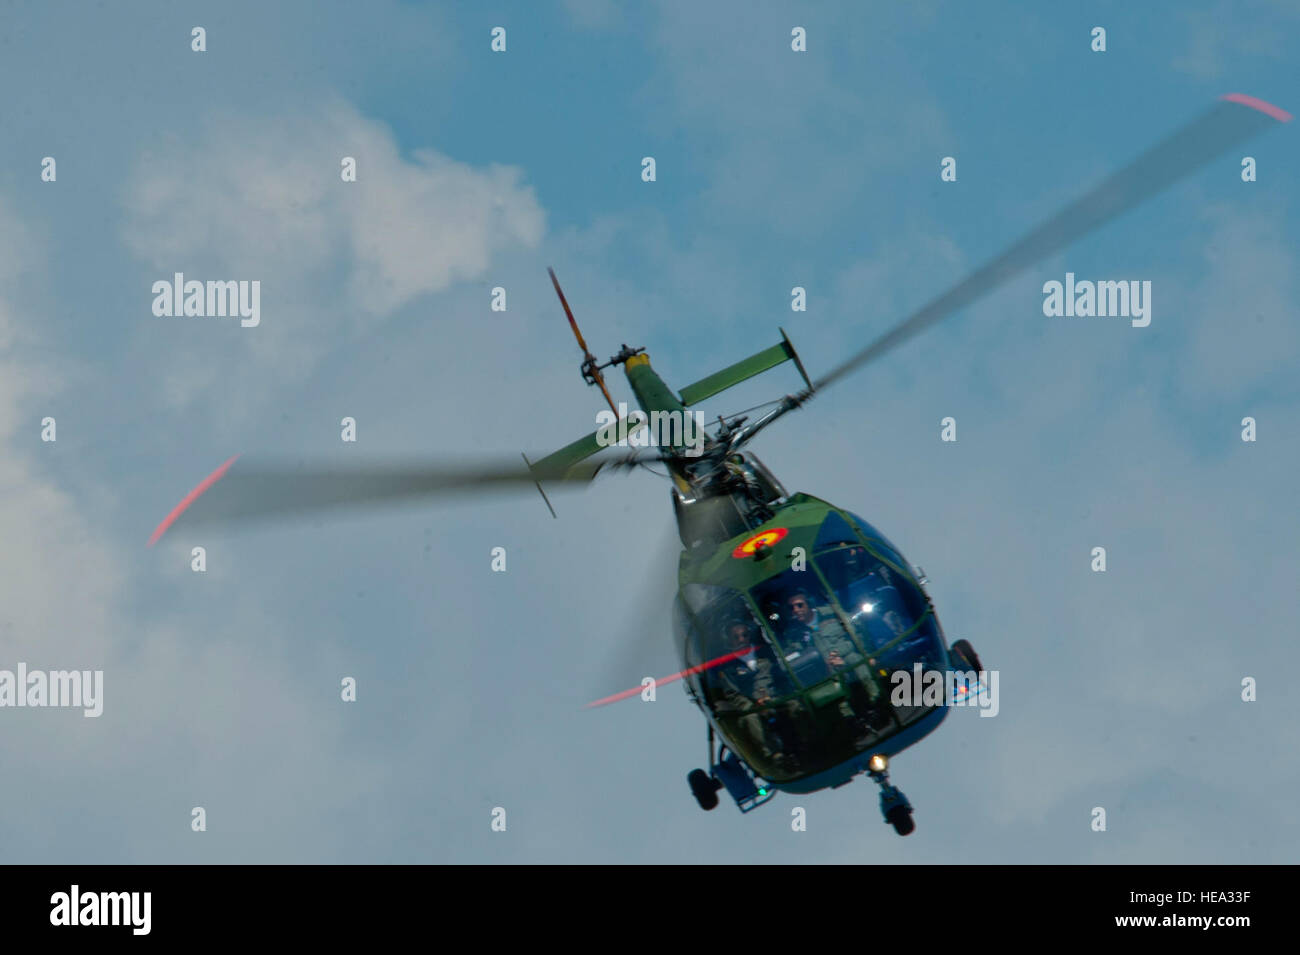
{"x": 879, "y": 541}
{"x": 798, "y": 676}
{"x": 809, "y": 634}
{"x": 881, "y": 603}
{"x": 886, "y": 608}
{"x": 843, "y": 708}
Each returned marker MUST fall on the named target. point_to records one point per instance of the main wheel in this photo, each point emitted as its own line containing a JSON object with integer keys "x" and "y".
{"x": 704, "y": 788}
{"x": 900, "y": 817}
{"x": 964, "y": 655}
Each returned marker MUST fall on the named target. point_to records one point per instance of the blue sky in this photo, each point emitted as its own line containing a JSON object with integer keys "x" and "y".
{"x": 775, "y": 169}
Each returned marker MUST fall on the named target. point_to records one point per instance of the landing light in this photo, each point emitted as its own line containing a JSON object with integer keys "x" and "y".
{"x": 877, "y": 763}
{"x": 867, "y": 608}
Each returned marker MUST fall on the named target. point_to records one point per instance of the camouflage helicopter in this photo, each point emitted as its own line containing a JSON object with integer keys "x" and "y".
{"x": 793, "y": 616}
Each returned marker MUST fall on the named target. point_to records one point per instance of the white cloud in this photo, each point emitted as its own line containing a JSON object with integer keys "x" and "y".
{"x": 262, "y": 198}
{"x": 194, "y": 705}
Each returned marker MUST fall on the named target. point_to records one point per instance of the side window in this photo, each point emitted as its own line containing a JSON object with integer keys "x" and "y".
{"x": 726, "y": 627}
{"x": 720, "y": 633}
{"x": 685, "y": 634}
{"x": 743, "y": 670}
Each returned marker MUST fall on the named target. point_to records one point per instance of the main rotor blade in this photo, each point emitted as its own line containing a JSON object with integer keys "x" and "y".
{"x": 1234, "y": 119}
{"x": 250, "y": 490}
{"x": 645, "y": 647}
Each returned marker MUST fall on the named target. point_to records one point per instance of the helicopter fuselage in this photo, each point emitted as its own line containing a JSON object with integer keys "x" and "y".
{"x": 792, "y": 618}
{"x": 793, "y": 634}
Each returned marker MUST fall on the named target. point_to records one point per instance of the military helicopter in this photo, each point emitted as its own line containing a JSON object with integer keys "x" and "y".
{"x": 792, "y": 614}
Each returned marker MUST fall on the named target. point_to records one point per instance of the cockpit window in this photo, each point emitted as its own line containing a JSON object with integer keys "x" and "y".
{"x": 886, "y": 608}
{"x": 880, "y": 543}
{"x": 741, "y": 679}
{"x": 699, "y": 597}
{"x": 746, "y": 672}
{"x": 834, "y": 531}
{"x": 881, "y": 604}
{"x": 727, "y": 640}
{"x": 808, "y": 633}
{"x": 797, "y": 673}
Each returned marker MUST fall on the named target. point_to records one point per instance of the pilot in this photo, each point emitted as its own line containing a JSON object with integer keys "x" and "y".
{"x": 809, "y": 627}
{"x": 798, "y": 639}
{"x": 747, "y": 679}
{"x": 750, "y": 681}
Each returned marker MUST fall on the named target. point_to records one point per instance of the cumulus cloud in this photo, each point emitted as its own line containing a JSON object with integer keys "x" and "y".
{"x": 263, "y": 198}
{"x": 194, "y": 705}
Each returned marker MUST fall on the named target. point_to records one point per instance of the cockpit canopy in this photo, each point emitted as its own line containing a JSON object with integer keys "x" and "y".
{"x": 810, "y": 645}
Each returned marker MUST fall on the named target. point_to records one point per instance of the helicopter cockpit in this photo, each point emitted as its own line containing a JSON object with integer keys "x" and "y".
{"x": 810, "y": 685}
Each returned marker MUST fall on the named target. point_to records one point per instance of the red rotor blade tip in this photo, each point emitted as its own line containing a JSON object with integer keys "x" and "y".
{"x": 1268, "y": 109}
{"x": 189, "y": 499}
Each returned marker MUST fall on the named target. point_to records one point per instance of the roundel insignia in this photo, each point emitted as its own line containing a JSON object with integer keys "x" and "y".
{"x": 766, "y": 539}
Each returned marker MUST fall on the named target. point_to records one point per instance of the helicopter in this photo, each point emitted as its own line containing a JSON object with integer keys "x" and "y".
{"x": 794, "y": 617}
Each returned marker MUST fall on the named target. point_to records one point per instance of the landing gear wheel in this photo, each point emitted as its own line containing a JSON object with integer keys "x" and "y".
{"x": 963, "y": 655}
{"x": 900, "y": 817}
{"x": 893, "y": 804}
{"x": 704, "y": 788}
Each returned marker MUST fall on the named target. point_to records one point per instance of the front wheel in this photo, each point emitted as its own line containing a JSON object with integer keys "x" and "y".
{"x": 704, "y": 788}
{"x": 900, "y": 817}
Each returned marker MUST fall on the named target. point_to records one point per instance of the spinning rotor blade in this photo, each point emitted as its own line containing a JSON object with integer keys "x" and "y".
{"x": 645, "y": 646}
{"x": 253, "y": 490}
{"x": 1235, "y": 118}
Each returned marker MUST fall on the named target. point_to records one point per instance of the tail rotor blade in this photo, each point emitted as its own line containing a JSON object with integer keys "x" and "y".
{"x": 589, "y": 366}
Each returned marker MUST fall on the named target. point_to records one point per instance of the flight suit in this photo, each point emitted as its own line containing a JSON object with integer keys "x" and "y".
{"x": 826, "y": 636}
{"x": 743, "y": 686}
{"x": 834, "y": 639}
